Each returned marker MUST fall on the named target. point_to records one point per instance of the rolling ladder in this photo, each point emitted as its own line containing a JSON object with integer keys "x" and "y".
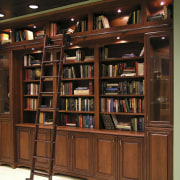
{"x": 48, "y": 46}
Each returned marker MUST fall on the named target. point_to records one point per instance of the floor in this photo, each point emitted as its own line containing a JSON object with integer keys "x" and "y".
{"x": 8, "y": 173}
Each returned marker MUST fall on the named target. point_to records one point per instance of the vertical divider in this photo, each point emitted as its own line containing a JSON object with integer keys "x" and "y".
{"x": 96, "y": 87}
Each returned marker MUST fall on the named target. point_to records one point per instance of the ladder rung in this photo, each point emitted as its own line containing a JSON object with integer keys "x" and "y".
{"x": 44, "y": 77}
{"x": 50, "y": 62}
{"x": 41, "y": 157}
{"x": 41, "y": 174}
{"x": 48, "y": 109}
{"x": 46, "y": 124}
{"x": 45, "y": 141}
{"x": 53, "y": 46}
{"x": 49, "y": 92}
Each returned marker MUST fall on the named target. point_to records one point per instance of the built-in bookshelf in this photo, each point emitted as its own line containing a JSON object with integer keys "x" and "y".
{"x": 122, "y": 85}
{"x": 116, "y": 88}
{"x": 77, "y": 88}
{"x": 32, "y": 71}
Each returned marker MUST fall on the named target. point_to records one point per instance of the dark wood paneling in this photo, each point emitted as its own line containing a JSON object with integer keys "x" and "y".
{"x": 43, "y": 149}
{"x": 6, "y": 142}
{"x": 131, "y": 158}
{"x": 61, "y": 151}
{"x": 159, "y": 154}
{"x": 105, "y": 156}
{"x": 81, "y": 147}
{"x": 24, "y": 146}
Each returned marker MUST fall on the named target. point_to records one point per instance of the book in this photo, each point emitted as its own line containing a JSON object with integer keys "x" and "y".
{"x": 142, "y": 52}
{"x": 125, "y": 126}
{"x": 4, "y": 38}
{"x": 140, "y": 69}
{"x": 108, "y": 122}
{"x": 29, "y": 35}
{"x": 105, "y": 21}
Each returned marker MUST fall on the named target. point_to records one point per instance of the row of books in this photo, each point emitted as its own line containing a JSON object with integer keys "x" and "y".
{"x": 127, "y": 105}
{"x": 32, "y": 89}
{"x": 112, "y": 70}
{"x": 5, "y": 38}
{"x": 135, "y": 17}
{"x": 77, "y": 120}
{"x": 166, "y": 13}
{"x": 123, "y": 87}
{"x": 32, "y": 59}
{"x": 81, "y": 26}
{"x": 105, "y": 54}
{"x": 21, "y": 35}
{"x": 121, "y": 69}
{"x": 83, "y": 71}
{"x": 32, "y": 74}
{"x": 31, "y": 103}
{"x": 45, "y": 118}
{"x": 100, "y": 22}
{"x": 111, "y": 122}
{"x": 67, "y": 88}
{"x": 78, "y": 55}
{"x": 77, "y": 104}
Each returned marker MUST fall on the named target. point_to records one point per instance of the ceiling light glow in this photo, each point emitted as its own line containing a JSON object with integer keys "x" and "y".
{"x": 33, "y": 6}
{"x": 162, "y": 3}
{"x": 72, "y": 19}
{"x": 1, "y": 15}
{"x": 119, "y": 11}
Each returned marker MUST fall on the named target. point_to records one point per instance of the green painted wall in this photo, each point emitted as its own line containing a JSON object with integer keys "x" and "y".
{"x": 176, "y": 90}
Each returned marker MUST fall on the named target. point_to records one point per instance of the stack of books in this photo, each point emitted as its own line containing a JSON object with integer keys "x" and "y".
{"x": 81, "y": 91}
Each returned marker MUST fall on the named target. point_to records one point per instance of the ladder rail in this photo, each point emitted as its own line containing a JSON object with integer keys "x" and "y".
{"x": 55, "y": 112}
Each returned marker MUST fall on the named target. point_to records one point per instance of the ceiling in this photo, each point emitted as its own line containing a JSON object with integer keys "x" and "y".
{"x": 16, "y": 8}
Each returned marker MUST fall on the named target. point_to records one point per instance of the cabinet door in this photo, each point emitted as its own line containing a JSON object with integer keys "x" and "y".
{"x": 61, "y": 152}
{"x": 130, "y": 164}
{"x": 24, "y": 146}
{"x": 6, "y": 124}
{"x": 105, "y": 156}
{"x": 81, "y": 153}
{"x": 159, "y": 79}
{"x": 159, "y": 154}
{"x": 6, "y": 142}
{"x": 43, "y": 149}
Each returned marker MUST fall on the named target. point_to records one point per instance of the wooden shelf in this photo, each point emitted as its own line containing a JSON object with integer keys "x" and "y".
{"x": 123, "y": 113}
{"x": 76, "y": 112}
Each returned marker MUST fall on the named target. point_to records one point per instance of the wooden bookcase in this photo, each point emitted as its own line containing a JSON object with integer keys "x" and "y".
{"x": 109, "y": 70}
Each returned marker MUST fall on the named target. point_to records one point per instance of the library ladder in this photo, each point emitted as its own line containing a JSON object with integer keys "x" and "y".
{"x": 48, "y": 46}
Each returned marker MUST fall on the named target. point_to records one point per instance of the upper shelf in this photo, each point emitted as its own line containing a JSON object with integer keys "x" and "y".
{"x": 87, "y": 23}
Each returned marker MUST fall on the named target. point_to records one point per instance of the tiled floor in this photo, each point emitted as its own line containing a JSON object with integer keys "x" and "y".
{"x": 8, "y": 173}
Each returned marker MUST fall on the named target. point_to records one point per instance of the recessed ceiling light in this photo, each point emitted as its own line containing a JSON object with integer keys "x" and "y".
{"x": 119, "y": 11}
{"x": 118, "y": 37}
{"x": 72, "y": 19}
{"x": 163, "y": 37}
{"x": 162, "y": 3}
{"x": 34, "y": 26}
{"x": 1, "y": 15}
{"x": 33, "y": 6}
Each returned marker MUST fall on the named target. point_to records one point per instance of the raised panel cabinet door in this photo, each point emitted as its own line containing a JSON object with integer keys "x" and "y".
{"x": 6, "y": 142}
{"x": 105, "y": 156}
{"x": 61, "y": 152}
{"x": 81, "y": 153}
{"x": 24, "y": 146}
{"x": 43, "y": 148}
{"x": 130, "y": 151}
{"x": 159, "y": 154}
